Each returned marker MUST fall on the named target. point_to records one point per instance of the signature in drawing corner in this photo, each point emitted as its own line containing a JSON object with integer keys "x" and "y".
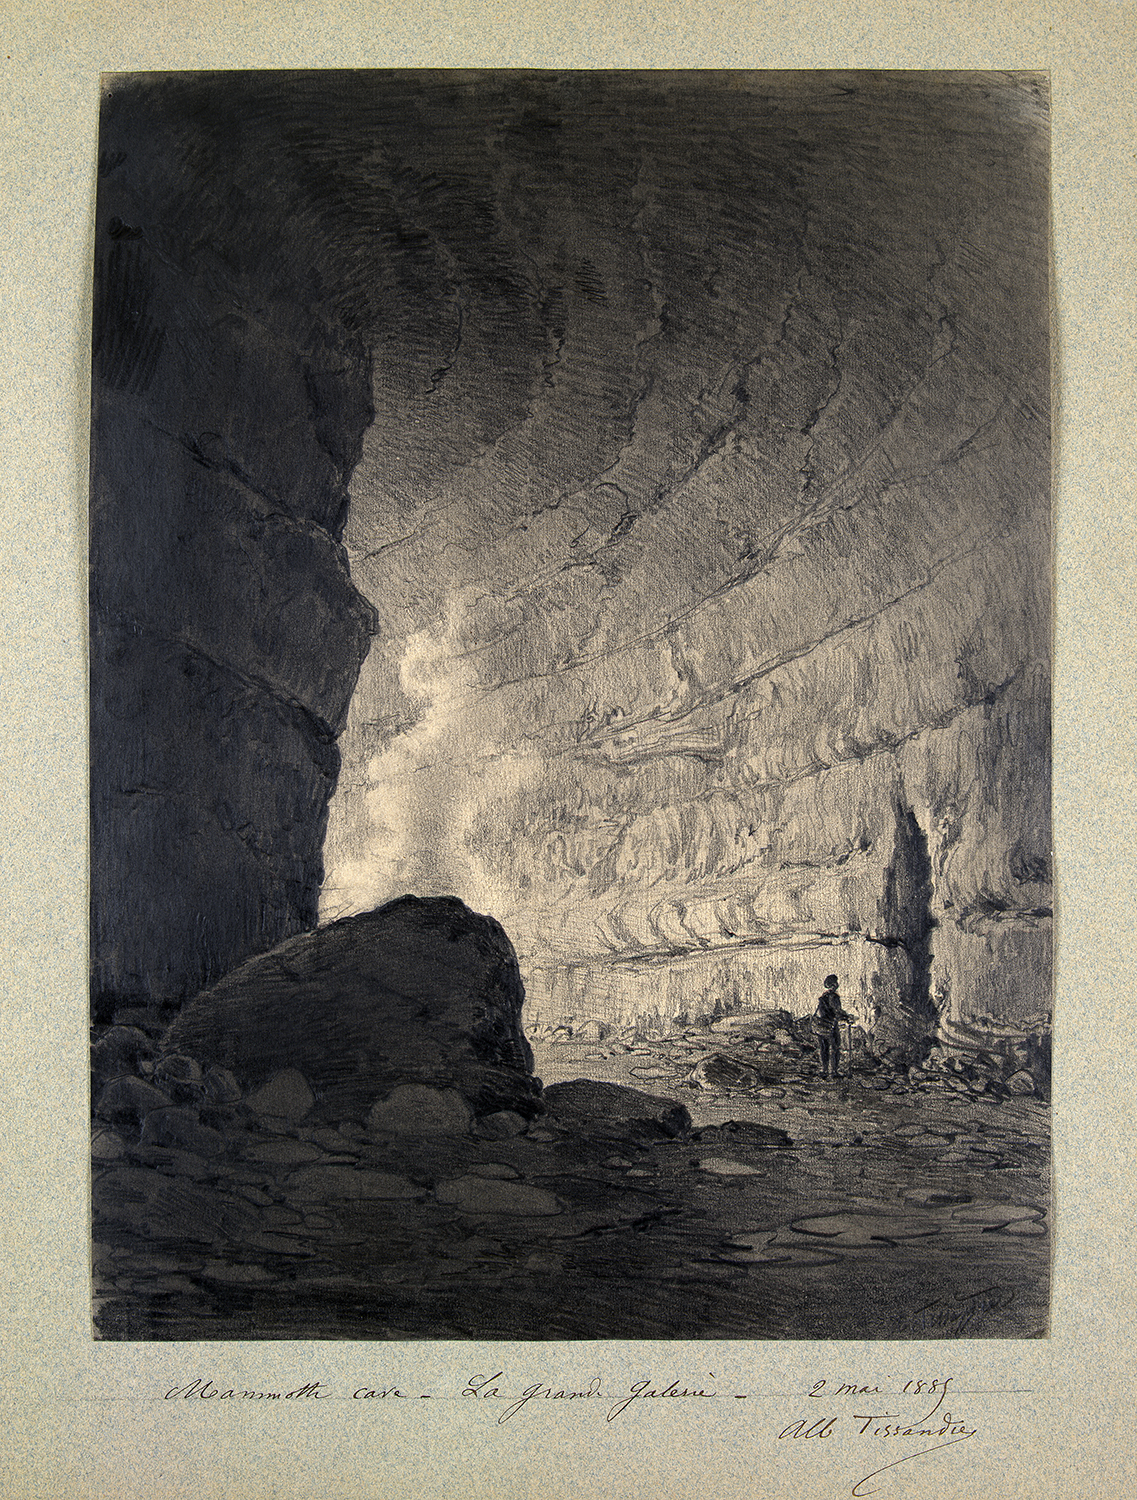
{"x": 953, "y": 1315}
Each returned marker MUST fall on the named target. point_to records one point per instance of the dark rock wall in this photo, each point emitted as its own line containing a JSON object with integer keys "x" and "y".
{"x": 229, "y": 405}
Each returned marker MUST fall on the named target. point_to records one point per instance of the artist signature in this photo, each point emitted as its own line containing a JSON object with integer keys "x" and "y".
{"x": 951, "y": 1316}
{"x": 935, "y": 1422}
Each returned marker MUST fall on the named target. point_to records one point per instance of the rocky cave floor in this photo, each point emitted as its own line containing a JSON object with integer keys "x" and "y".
{"x": 892, "y": 1203}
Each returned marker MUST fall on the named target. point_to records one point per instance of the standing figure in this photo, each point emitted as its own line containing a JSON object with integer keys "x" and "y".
{"x": 827, "y": 1020}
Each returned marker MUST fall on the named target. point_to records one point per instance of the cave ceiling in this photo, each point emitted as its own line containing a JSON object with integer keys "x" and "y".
{"x": 709, "y": 463}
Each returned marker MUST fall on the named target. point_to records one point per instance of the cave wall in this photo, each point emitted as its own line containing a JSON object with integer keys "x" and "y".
{"x": 229, "y": 402}
{"x": 703, "y": 521}
{"x": 715, "y": 650}
{"x": 907, "y": 873}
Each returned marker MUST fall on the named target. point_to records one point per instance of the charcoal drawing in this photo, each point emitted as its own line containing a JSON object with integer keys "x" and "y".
{"x": 570, "y": 640}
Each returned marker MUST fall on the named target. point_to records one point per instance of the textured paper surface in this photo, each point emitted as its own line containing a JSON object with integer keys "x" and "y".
{"x": 84, "y": 1419}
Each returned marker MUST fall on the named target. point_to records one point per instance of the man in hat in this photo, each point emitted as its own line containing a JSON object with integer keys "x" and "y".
{"x": 827, "y": 1020}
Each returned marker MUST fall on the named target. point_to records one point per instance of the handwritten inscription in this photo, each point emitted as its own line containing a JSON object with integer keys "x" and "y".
{"x": 934, "y": 1429}
{"x": 909, "y": 1420}
{"x": 937, "y": 1387}
{"x": 205, "y": 1390}
{"x": 486, "y": 1387}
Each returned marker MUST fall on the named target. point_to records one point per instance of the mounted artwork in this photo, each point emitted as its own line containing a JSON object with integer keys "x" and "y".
{"x": 570, "y": 643}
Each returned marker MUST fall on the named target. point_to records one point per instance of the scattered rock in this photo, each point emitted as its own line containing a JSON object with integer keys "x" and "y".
{"x": 180, "y": 1127}
{"x": 609, "y": 1108}
{"x": 286, "y": 1096}
{"x": 325, "y": 1184}
{"x": 502, "y": 1124}
{"x": 722, "y": 1072}
{"x": 473, "y": 1194}
{"x": 284, "y": 1153}
{"x": 590, "y": 1031}
{"x": 199, "y": 1191}
{"x": 128, "y": 1101}
{"x": 1020, "y": 1083}
{"x": 722, "y": 1166}
{"x": 119, "y": 1051}
{"x": 220, "y": 1087}
{"x": 415, "y": 1109}
{"x": 107, "y": 1145}
{"x": 744, "y": 1132}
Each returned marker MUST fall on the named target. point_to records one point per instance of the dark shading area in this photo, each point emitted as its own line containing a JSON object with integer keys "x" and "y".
{"x": 419, "y": 992}
{"x": 619, "y": 501}
{"x": 708, "y": 1185}
{"x": 906, "y": 1022}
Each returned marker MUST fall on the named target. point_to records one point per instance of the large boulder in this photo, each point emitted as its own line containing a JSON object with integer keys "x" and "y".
{"x": 421, "y": 991}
